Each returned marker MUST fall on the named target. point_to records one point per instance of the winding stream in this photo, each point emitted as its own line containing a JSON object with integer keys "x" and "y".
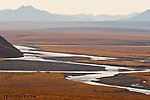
{"x": 32, "y": 54}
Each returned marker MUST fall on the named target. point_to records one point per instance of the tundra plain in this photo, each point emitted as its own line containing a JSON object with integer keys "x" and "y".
{"x": 123, "y": 44}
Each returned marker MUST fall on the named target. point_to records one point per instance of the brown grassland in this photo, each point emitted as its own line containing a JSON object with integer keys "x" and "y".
{"x": 100, "y": 50}
{"x": 112, "y": 44}
{"x": 99, "y": 37}
{"x": 116, "y": 63}
{"x": 3, "y": 59}
{"x": 108, "y": 51}
{"x": 54, "y": 86}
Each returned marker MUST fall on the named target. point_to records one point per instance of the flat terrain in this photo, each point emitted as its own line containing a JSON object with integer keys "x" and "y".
{"x": 121, "y": 43}
{"x": 134, "y": 54}
{"x": 102, "y": 43}
{"x": 100, "y": 50}
{"x": 141, "y": 80}
{"x": 45, "y": 66}
{"x": 51, "y": 24}
{"x": 94, "y": 37}
{"x": 54, "y": 86}
{"x": 125, "y": 44}
{"x": 114, "y": 63}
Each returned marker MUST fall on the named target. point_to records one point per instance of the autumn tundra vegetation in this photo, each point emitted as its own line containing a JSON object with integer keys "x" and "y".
{"x": 50, "y": 86}
{"x": 53, "y": 86}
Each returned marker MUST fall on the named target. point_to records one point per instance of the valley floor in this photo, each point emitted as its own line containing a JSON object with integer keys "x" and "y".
{"x": 126, "y": 46}
{"x": 50, "y": 86}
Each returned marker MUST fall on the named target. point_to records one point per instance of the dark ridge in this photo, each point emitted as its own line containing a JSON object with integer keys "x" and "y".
{"x": 8, "y": 50}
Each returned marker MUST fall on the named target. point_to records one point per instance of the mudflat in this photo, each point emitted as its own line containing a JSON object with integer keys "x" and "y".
{"x": 140, "y": 80}
{"x": 45, "y": 66}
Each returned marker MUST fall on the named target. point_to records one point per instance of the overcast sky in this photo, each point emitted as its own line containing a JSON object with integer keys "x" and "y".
{"x": 113, "y": 7}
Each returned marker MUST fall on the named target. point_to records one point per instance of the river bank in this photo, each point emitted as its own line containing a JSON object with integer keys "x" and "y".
{"x": 50, "y": 86}
{"x": 33, "y": 58}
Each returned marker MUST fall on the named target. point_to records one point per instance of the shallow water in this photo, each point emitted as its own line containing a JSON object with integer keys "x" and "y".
{"x": 53, "y": 54}
{"x": 31, "y": 54}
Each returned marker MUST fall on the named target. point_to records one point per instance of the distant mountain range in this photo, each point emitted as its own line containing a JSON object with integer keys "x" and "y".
{"x": 29, "y": 13}
{"x": 144, "y": 16}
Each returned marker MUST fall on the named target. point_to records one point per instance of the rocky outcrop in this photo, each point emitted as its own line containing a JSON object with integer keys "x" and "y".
{"x": 8, "y": 50}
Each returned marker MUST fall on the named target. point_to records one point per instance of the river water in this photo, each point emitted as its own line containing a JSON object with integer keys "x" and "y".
{"x": 32, "y": 54}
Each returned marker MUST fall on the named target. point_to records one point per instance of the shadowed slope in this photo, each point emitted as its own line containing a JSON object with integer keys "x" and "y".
{"x": 8, "y": 50}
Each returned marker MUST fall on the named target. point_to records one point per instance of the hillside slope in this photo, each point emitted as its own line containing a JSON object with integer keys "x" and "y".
{"x": 144, "y": 16}
{"x": 8, "y": 50}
